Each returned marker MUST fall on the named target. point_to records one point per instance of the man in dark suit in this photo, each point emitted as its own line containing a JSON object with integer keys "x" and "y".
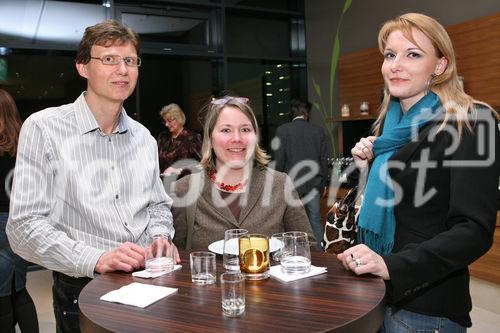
{"x": 301, "y": 151}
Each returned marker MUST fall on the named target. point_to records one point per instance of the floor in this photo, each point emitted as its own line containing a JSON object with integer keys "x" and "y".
{"x": 485, "y": 297}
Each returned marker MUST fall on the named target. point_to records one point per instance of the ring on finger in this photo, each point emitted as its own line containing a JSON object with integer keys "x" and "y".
{"x": 358, "y": 262}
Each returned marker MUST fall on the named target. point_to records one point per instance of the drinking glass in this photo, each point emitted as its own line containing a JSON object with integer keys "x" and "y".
{"x": 160, "y": 254}
{"x": 233, "y": 293}
{"x": 230, "y": 257}
{"x": 254, "y": 256}
{"x": 296, "y": 253}
{"x": 203, "y": 268}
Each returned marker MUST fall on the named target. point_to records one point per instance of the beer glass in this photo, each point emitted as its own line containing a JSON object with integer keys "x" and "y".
{"x": 254, "y": 256}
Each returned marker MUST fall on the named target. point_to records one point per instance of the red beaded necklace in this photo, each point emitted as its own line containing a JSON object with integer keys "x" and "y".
{"x": 225, "y": 187}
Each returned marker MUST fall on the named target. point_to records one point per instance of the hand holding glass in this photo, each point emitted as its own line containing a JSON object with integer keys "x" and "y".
{"x": 160, "y": 254}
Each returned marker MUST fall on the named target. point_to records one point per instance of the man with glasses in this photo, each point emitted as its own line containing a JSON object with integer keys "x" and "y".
{"x": 87, "y": 194}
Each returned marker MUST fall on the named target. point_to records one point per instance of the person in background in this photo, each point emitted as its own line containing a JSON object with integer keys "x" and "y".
{"x": 16, "y": 305}
{"x": 429, "y": 207}
{"x": 87, "y": 195}
{"x": 178, "y": 143}
{"x": 235, "y": 188}
{"x": 299, "y": 147}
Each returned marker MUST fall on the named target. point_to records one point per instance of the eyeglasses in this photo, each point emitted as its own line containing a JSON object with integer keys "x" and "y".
{"x": 116, "y": 59}
{"x": 222, "y": 101}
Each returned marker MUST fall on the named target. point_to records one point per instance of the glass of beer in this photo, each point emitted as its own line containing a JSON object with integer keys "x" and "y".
{"x": 254, "y": 256}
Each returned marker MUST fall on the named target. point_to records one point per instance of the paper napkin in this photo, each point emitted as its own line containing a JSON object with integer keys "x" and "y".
{"x": 149, "y": 275}
{"x": 277, "y": 273}
{"x": 138, "y": 294}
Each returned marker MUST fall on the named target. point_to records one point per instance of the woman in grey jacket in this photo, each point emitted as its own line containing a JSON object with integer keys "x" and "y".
{"x": 235, "y": 188}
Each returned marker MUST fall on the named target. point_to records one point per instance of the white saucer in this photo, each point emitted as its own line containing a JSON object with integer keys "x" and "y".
{"x": 218, "y": 246}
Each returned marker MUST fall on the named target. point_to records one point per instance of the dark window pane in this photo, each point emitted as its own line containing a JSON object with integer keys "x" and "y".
{"x": 261, "y": 37}
{"x": 293, "y": 5}
{"x": 168, "y": 29}
{"x": 41, "y": 79}
{"x": 270, "y": 87}
{"x": 181, "y": 80}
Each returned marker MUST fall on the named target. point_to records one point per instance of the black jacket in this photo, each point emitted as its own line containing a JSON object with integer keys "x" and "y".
{"x": 300, "y": 141}
{"x": 437, "y": 237}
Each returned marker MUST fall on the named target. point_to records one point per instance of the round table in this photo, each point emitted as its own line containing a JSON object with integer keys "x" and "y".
{"x": 337, "y": 301}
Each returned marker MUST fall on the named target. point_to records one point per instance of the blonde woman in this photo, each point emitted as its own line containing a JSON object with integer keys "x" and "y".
{"x": 178, "y": 143}
{"x": 429, "y": 208}
{"x": 235, "y": 188}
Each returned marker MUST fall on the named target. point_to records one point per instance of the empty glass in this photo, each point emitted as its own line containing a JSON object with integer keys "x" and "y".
{"x": 230, "y": 257}
{"x": 296, "y": 253}
{"x": 160, "y": 255}
{"x": 203, "y": 267}
{"x": 233, "y": 293}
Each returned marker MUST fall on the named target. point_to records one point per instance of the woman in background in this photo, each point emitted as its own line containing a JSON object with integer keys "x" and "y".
{"x": 235, "y": 188}
{"x": 429, "y": 207}
{"x": 178, "y": 143}
{"x": 16, "y": 305}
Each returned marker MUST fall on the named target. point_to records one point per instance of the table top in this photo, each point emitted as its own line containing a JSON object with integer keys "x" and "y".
{"x": 337, "y": 301}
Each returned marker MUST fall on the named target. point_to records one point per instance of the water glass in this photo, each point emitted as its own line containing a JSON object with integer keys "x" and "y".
{"x": 230, "y": 256}
{"x": 233, "y": 294}
{"x": 296, "y": 253}
{"x": 254, "y": 256}
{"x": 203, "y": 268}
{"x": 160, "y": 254}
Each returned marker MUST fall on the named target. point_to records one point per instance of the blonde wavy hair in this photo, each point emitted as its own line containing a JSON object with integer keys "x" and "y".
{"x": 213, "y": 110}
{"x": 173, "y": 110}
{"x": 446, "y": 85}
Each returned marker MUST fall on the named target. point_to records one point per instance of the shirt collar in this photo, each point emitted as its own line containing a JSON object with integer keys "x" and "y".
{"x": 86, "y": 121}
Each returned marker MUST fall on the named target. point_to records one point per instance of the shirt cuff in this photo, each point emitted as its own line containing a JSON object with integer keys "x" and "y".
{"x": 87, "y": 262}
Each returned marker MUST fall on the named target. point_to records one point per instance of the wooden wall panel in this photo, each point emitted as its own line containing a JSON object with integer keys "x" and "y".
{"x": 477, "y": 46}
{"x": 360, "y": 80}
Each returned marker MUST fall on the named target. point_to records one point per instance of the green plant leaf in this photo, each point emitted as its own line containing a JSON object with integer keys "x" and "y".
{"x": 317, "y": 88}
{"x": 316, "y": 105}
{"x": 333, "y": 68}
{"x": 347, "y": 4}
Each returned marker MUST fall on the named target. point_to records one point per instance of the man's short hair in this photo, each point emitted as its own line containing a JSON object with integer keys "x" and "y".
{"x": 107, "y": 33}
{"x": 299, "y": 108}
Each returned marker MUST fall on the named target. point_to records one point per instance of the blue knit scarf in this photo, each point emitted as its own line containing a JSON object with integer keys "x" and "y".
{"x": 376, "y": 221}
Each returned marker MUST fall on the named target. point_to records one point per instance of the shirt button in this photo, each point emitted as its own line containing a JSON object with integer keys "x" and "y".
{"x": 117, "y": 196}
{"x": 75, "y": 301}
{"x": 112, "y": 168}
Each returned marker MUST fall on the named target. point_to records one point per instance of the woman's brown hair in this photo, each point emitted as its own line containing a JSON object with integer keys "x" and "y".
{"x": 10, "y": 124}
{"x": 213, "y": 110}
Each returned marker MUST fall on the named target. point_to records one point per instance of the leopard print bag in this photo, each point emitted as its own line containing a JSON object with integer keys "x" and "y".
{"x": 341, "y": 228}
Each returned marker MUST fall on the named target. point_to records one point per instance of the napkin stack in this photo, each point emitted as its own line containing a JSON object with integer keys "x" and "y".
{"x": 149, "y": 275}
{"x": 277, "y": 273}
{"x": 138, "y": 294}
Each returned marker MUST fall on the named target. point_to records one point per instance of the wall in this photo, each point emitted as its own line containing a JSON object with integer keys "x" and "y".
{"x": 360, "y": 26}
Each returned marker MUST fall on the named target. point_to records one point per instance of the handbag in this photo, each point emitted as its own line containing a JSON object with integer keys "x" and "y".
{"x": 341, "y": 223}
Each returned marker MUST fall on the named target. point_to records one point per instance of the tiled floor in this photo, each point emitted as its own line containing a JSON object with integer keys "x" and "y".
{"x": 485, "y": 297}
